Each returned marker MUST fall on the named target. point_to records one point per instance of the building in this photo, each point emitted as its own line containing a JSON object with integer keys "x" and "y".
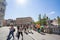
{"x": 55, "y": 22}
{"x": 4, "y": 22}
{"x": 25, "y": 20}
{"x": 8, "y": 22}
{"x": 2, "y": 11}
{"x": 53, "y": 27}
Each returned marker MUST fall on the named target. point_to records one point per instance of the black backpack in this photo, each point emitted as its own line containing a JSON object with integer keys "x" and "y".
{"x": 14, "y": 30}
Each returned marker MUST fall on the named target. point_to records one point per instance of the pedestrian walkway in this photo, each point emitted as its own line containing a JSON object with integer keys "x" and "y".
{"x": 5, "y": 30}
{"x": 35, "y": 36}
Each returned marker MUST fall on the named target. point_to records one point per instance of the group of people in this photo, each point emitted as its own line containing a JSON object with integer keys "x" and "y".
{"x": 40, "y": 28}
{"x": 20, "y": 29}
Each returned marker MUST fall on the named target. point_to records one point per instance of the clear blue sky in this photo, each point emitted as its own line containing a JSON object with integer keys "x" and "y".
{"x": 32, "y": 8}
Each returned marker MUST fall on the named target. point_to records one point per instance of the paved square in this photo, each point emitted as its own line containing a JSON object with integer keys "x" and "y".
{"x": 35, "y": 36}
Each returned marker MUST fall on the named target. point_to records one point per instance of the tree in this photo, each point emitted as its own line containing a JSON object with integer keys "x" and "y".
{"x": 37, "y": 22}
{"x": 39, "y": 19}
{"x": 58, "y": 18}
{"x": 44, "y": 20}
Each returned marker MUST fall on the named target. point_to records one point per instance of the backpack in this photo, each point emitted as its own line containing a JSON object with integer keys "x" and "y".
{"x": 14, "y": 30}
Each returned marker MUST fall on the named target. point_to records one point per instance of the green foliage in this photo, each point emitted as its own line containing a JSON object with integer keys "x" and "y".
{"x": 58, "y": 18}
{"x": 37, "y": 22}
{"x": 42, "y": 21}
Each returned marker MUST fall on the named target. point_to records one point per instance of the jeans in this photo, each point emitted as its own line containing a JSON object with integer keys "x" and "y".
{"x": 9, "y": 36}
{"x": 19, "y": 35}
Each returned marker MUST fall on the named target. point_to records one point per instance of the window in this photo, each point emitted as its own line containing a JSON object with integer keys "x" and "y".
{"x": 2, "y": 10}
{"x": 3, "y": 3}
{"x": 4, "y": 0}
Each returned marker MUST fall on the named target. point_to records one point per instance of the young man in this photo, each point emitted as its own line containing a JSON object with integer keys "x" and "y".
{"x": 19, "y": 31}
{"x": 12, "y": 30}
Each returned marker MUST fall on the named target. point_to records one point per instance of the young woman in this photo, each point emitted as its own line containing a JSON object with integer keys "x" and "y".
{"x": 12, "y": 30}
{"x": 26, "y": 29}
{"x": 19, "y": 31}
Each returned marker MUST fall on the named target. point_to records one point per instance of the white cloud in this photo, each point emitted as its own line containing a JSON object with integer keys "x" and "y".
{"x": 52, "y": 12}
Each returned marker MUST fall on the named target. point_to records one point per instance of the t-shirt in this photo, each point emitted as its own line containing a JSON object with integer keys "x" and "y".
{"x": 20, "y": 29}
{"x": 11, "y": 29}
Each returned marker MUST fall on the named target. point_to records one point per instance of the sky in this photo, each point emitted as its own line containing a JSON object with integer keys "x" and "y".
{"x": 32, "y": 8}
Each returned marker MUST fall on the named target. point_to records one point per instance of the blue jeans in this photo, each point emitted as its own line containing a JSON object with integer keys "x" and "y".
{"x": 9, "y": 36}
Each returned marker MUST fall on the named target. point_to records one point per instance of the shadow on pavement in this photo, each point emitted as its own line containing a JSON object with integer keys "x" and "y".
{"x": 42, "y": 33}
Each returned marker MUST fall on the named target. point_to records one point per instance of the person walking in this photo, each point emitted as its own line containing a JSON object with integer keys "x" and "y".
{"x": 26, "y": 29}
{"x": 30, "y": 29}
{"x": 38, "y": 28}
{"x": 12, "y": 30}
{"x": 19, "y": 31}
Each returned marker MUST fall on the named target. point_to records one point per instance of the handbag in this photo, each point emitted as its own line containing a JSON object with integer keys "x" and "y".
{"x": 14, "y": 30}
{"x": 17, "y": 34}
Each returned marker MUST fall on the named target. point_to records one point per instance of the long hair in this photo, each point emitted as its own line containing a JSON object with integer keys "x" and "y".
{"x": 17, "y": 27}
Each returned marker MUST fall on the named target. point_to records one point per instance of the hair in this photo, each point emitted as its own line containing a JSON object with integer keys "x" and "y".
{"x": 18, "y": 27}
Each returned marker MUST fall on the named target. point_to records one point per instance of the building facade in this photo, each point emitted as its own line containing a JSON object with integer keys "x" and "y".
{"x": 2, "y": 11}
{"x": 55, "y": 22}
{"x": 4, "y": 22}
{"x": 23, "y": 21}
{"x": 8, "y": 22}
{"x": 53, "y": 27}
